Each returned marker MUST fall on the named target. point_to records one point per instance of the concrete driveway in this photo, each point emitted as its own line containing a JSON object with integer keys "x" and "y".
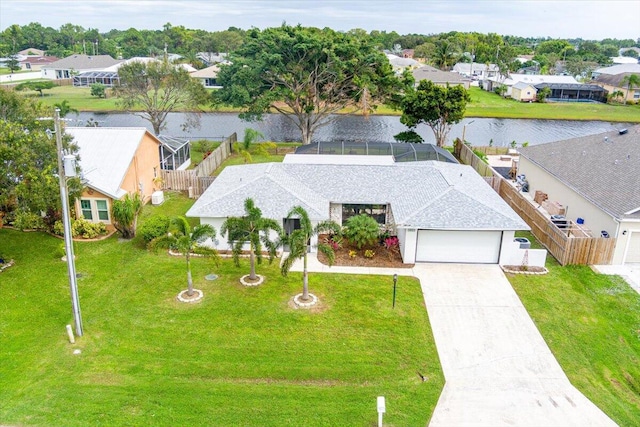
{"x": 498, "y": 369}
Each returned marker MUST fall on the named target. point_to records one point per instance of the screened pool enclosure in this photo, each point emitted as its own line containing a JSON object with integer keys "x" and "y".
{"x": 401, "y": 152}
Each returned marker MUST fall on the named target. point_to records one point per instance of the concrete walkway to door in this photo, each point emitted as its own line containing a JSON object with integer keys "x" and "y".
{"x": 498, "y": 369}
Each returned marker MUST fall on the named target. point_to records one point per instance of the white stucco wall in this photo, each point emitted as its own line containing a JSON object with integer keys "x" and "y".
{"x": 408, "y": 239}
{"x": 511, "y": 254}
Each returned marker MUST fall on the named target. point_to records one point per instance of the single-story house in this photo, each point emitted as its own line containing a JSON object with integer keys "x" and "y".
{"x": 67, "y": 67}
{"x": 614, "y": 70}
{"x": 114, "y": 162}
{"x": 208, "y": 76}
{"x": 491, "y": 83}
{"x": 441, "y": 212}
{"x": 614, "y": 83}
{"x": 439, "y": 77}
{"x": 32, "y": 52}
{"x": 400, "y": 64}
{"x": 35, "y": 63}
{"x": 525, "y": 92}
{"x": 596, "y": 179}
{"x": 575, "y": 92}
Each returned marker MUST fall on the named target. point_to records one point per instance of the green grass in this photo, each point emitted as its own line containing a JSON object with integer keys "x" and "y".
{"x": 488, "y": 104}
{"x": 240, "y": 357}
{"x": 483, "y": 104}
{"x": 275, "y": 156}
{"x": 592, "y": 325}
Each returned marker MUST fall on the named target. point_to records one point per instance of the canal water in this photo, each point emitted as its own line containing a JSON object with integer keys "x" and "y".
{"x": 354, "y": 128}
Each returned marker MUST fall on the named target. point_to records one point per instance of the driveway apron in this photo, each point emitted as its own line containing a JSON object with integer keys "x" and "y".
{"x": 498, "y": 369}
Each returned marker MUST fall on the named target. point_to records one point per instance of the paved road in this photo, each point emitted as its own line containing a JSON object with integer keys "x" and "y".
{"x": 498, "y": 369}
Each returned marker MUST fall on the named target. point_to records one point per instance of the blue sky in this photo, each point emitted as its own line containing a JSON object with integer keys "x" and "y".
{"x": 587, "y": 19}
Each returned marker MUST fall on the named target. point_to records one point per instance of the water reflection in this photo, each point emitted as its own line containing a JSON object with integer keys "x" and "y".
{"x": 354, "y": 128}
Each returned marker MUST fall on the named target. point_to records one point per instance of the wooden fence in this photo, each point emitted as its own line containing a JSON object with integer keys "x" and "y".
{"x": 215, "y": 159}
{"x": 197, "y": 180}
{"x": 565, "y": 248}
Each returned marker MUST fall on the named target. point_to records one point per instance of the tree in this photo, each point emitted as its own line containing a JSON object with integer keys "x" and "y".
{"x": 444, "y": 54}
{"x": 254, "y": 229}
{"x": 186, "y": 241}
{"x": 37, "y": 86}
{"x": 631, "y": 81}
{"x": 13, "y": 64}
{"x": 543, "y": 94}
{"x": 28, "y": 158}
{"x": 65, "y": 108}
{"x": 250, "y": 136}
{"x": 125, "y": 214}
{"x": 298, "y": 242}
{"x": 362, "y": 230}
{"x": 99, "y": 90}
{"x": 159, "y": 88}
{"x": 436, "y": 106}
{"x": 306, "y": 74}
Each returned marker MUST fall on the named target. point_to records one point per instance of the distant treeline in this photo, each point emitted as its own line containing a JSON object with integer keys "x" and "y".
{"x": 441, "y": 50}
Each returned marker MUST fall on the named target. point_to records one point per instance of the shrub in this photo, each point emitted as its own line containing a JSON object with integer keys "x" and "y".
{"x": 154, "y": 226}
{"x": 391, "y": 242}
{"x": 99, "y": 90}
{"x": 481, "y": 155}
{"x": 369, "y": 253}
{"x": 25, "y": 220}
{"x": 87, "y": 230}
{"x": 334, "y": 241}
{"x": 362, "y": 230}
{"x": 352, "y": 254}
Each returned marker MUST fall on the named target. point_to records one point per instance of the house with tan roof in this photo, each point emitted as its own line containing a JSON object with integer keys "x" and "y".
{"x": 439, "y": 77}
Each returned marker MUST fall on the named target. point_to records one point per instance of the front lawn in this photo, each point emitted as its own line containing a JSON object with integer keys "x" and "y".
{"x": 591, "y": 322}
{"x": 242, "y": 356}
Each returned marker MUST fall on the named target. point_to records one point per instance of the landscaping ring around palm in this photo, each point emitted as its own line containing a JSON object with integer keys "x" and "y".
{"x": 196, "y": 296}
{"x": 302, "y": 303}
{"x": 246, "y": 280}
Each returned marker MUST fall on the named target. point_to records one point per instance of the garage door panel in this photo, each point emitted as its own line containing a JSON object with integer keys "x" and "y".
{"x": 458, "y": 246}
{"x": 633, "y": 252}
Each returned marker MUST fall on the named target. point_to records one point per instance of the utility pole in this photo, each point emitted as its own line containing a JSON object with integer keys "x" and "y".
{"x": 68, "y": 169}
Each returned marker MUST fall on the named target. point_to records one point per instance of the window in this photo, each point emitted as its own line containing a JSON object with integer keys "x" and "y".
{"x": 377, "y": 212}
{"x": 103, "y": 212}
{"x": 85, "y": 205}
{"x": 636, "y": 94}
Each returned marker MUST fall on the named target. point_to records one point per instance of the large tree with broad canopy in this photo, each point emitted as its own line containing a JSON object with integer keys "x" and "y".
{"x": 306, "y": 74}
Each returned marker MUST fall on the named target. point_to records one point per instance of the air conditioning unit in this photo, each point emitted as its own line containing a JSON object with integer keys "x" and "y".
{"x": 157, "y": 198}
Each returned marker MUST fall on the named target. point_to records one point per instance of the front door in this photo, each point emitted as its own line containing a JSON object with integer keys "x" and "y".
{"x": 288, "y": 225}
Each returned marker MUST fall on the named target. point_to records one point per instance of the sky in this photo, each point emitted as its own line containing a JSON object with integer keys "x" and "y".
{"x": 586, "y": 19}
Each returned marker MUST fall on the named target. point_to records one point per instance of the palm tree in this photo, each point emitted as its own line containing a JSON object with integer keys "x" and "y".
{"x": 298, "y": 242}
{"x": 254, "y": 229}
{"x": 631, "y": 80}
{"x": 65, "y": 108}
{"x": 444, "y": 54}
{"x": 186, "y": 240}
{"x": 125, "y": 214}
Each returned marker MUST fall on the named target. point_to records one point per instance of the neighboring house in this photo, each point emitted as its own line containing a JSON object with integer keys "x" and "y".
{"x": 35, "y": 63}
{"x": 574, "y": 92}
{"x": 624, "y": 60}
{"x": 615, "y": 83}
{"x": 475, "y": 70}
{"x": 439, "y": 77}
{"x": 32, "y": 52}
{"x": 525, "y": 92}
{"x": 76, "y": 64}
{"x": 441, "y": 212}
{"x": 400, "y": 64}
{"x": 208, "y": 76}
{"x": 211, "y": 58}
{"x": 616, "y": 70}
{"x": 492, "y": 82}
{"x": 597, "y": 179}
{"x": 114, "y": 162}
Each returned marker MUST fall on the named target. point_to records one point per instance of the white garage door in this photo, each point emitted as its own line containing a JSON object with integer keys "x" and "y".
{"x": 458, "y": 246}
{"x": 633, "y": 252}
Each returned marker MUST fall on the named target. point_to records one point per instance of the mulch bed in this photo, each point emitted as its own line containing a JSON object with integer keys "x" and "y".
{"x": 382, "y": 258}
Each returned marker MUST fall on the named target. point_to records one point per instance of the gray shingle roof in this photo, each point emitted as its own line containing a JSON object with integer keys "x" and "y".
{"x": 83, "y": 62}
{"x": 606, "y": 173}
{"x": 426, "y": 194}
{"x": 437, "y": 76}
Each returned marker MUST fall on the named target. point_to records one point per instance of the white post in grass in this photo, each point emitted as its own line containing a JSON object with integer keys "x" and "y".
{"x": 381, "y": 409}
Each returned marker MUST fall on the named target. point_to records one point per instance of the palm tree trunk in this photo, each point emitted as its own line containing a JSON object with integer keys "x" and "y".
{"x": 252, "y": 263}
{"x": 305, "y": 279}
{"x": 189, "y": 280}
